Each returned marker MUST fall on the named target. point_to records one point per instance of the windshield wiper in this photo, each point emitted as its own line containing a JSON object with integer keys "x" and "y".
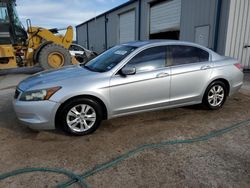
{"x": 90, "y": 69}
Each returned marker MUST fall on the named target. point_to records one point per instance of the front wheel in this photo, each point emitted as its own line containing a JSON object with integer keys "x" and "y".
{"x": 215, "y": 95}
{"x": 81, "y": 116}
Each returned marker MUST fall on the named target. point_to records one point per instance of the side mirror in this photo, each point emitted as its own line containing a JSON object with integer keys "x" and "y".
{"x": 128, "y": 70}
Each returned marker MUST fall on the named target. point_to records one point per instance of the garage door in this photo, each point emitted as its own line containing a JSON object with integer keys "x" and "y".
{"x": 127, "y": 27}
{"x": 238, "y": 32}
{"x": 165, "y": 16}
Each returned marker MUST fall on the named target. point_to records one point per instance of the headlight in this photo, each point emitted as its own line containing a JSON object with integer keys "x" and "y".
{"x": 39, "y": 95}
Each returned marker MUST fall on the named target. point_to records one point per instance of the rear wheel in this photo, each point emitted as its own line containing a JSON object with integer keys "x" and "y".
{"x": 54, "y": 56}
{"x": 215, "y": 95}
{"x": 81, "y": 116}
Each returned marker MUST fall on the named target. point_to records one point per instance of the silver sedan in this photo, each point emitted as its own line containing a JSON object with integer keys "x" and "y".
{"x": 127, "y": 79}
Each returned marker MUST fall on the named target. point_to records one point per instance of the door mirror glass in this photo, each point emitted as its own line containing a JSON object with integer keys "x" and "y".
{"x": 128, "y": 70}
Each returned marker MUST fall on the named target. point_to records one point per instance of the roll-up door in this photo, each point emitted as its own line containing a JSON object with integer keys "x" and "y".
{"x": 165, "y": 16}
{"x": 127, "y": 26}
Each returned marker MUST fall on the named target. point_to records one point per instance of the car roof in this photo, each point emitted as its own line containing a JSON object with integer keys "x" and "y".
{"x": 159, "y": 42}
{"x": 146, "y": 43}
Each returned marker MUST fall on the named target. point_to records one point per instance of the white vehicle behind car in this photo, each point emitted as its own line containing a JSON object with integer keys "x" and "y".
{"x": 81, "y": 54}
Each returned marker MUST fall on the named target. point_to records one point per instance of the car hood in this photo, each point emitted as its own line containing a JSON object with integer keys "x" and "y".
{"x": 53, "y": 76}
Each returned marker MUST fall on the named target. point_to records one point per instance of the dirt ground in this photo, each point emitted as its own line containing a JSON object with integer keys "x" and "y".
{"x": 222, "y": 161}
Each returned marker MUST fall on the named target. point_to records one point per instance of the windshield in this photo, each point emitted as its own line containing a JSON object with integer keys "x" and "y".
{"x": 109, "y": 59}
{"x": 17, "y": 21}
{"x": 19, "y": 30}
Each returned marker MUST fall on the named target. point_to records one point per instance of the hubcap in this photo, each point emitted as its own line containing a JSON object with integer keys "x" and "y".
{"x": 216, "y": 95}
{"x": 55, "y": 60}
{"x": 81, "y": 118}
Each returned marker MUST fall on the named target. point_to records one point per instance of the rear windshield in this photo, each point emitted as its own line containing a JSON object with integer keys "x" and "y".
{"x": 109, "y": 59}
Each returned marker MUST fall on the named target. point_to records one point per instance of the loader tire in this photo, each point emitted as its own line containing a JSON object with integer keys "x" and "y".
{"x": 54, "y": 56}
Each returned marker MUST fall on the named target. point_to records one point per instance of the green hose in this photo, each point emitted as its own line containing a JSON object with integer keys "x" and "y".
{"x": 51, "y": 170}
{"x": 80, "y": 178}
{"x": 121, "y": 158}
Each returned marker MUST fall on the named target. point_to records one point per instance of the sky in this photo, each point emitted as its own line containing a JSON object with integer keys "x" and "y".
{"x": 62, "y": 13}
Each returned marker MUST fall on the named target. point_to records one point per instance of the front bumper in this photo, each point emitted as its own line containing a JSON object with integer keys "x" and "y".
{"x": 39, "y": 115}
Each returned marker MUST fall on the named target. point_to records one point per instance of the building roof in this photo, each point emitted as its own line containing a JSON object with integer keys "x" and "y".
{"x": 109, "y": 11}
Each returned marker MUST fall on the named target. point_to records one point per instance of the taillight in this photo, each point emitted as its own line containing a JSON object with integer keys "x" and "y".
{"x": 238, "y": 65}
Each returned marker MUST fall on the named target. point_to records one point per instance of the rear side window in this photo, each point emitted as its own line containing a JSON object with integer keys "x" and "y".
{"x": 187, "y": 54}
{"x": 149, "y": 59}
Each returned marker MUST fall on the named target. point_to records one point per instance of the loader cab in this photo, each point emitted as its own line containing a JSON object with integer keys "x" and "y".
{"x": 11, "y": 28}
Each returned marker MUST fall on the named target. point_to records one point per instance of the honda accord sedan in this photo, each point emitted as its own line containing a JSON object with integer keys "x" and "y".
{"x": 126, "y": 79}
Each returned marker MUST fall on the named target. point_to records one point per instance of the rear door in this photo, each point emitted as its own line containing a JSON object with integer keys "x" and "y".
{"x": 190, "y": 72}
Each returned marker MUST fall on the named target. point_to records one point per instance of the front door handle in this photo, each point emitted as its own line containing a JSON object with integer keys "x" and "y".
{"x": 205, "y": 67}
{"x": 247, "y": 46}
{"x": 161, "y": 75}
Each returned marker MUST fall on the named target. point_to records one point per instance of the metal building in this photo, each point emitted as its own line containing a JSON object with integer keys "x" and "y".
{"x": 222, "y": 25}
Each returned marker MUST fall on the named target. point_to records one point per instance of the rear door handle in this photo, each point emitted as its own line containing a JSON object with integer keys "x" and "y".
{"x": 205, "y": 67}
{"x": 247, "y": 46}
{"x": 161, "y": 75}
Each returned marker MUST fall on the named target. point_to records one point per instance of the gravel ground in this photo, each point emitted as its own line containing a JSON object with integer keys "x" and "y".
{"x": 223, "y": 161}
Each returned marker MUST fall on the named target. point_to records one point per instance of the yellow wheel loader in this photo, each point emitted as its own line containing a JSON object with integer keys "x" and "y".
{"x": 21, "y": 48}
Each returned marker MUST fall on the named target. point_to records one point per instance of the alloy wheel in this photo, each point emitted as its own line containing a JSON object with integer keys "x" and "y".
{"x": 81, "y": 118}
{"x": 216, "y": 95}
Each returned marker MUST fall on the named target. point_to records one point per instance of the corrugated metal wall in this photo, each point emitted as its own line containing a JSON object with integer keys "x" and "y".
{"x": 96, "y": 29}
{"x": 224, "y": 15}
{"x": 238, "y": 34}
{"x": 145, "y": 17}
{"x": 81, "y": 34}
{"x": 197, "y": 13}
{"x": 194, "y": 15}
{"x": 97, "y": 34}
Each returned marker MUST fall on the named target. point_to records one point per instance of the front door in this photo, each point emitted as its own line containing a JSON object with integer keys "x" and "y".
{"x": 147, "y": 89}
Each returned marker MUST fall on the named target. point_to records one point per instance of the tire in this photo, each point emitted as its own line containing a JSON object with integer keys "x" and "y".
{"x": 73, "y": 123}
{"x": 54, "y": 56}
{"x": 215, "y": 95}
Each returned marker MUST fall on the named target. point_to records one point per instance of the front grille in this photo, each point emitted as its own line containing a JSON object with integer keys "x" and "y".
{"x": 17, "y": 93}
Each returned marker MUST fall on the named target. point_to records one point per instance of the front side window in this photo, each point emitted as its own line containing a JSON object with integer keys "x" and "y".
{"x": 18, "y": 27}
{"x": 149, "y": 59}
{"x": 4, "y": 18}
{"x": 109, "y": 59}
{"x": 187, "y": 54}
{"x": 17, "y": 21}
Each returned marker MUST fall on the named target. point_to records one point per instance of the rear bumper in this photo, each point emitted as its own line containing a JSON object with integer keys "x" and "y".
{"x": 39, "y": 115}
{"x": 235, "y": 88}
{"x": 236, "y": 82}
